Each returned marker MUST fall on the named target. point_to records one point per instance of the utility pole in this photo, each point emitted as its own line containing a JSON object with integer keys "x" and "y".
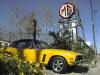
{"x": 34, "y": 29}
{"x": 9, "y": 36}
{"x": 93, "y": 29}
{"x": 20, "y": 34}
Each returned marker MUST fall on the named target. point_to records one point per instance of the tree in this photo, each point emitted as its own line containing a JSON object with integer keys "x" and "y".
{"x": 47, "y": 19}
{"x": 29, "y": 22}
{"x": 1, "y": 34}
{"x": 23, "y": 23}
{"x": 61, "y": 42}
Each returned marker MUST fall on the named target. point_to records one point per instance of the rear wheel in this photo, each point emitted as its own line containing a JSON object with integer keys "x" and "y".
{"x": 59, "y": 65}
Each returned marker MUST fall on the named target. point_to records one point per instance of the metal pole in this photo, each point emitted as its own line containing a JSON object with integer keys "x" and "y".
{"x": 20, "y": 34}
{"x": 93, "y": 25}
{"x": 34, "y": 29}
{"x": 9, "y": 36}
{"x": 93, "y": 28}
{"x": 79, "y": 19}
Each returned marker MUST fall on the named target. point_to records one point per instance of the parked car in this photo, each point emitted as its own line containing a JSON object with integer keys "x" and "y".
{"x": 57, "y": 59}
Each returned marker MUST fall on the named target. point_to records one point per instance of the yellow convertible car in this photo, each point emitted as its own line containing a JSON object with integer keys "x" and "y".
{"x": 57, "y": 59}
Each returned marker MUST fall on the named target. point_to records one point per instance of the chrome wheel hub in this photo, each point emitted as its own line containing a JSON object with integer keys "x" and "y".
{"x": 57, "y": 65}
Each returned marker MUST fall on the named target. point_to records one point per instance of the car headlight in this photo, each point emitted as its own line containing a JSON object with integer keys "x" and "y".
{"x": 79, "y": 57}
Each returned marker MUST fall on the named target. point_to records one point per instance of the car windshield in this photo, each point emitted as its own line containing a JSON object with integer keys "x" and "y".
{"x": 42, "y": 45}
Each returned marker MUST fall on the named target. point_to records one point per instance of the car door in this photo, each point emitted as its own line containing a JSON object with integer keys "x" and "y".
{"x": 29, "y": 51}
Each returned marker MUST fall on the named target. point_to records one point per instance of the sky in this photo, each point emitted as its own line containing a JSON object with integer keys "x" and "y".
{"x": 39, "y": 6}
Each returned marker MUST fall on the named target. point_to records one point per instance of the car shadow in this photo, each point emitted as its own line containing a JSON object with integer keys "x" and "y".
{"x": 78, "y": 69}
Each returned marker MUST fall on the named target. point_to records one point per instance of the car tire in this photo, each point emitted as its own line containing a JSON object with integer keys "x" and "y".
{"x": 59, "y": 64}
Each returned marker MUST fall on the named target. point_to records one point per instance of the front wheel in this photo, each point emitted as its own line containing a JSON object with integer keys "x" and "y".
{"x": 59, "y": 65}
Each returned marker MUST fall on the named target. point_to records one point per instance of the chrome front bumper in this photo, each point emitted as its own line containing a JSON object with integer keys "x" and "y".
{"x": 79, "y": 61}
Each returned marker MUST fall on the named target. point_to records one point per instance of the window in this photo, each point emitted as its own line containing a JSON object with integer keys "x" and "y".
{"x": 14, "y": 44}
{"x": 22, "y": 44}
{"x": 42, "y": 45}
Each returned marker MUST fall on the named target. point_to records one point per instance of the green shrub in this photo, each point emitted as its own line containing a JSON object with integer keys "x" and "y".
{"x": 9, "y": 65}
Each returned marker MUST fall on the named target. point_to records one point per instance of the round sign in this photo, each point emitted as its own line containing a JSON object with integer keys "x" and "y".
{"x": 66, "y": 10}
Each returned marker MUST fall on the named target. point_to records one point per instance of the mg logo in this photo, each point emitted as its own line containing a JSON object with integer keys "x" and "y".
{"x": 66, "y": 10}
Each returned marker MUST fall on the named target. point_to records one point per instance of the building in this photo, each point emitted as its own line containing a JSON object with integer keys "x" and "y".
{"x": 88, "y": 43}
{"x": 69, "y": 25}
{"x": 4, "y": 43}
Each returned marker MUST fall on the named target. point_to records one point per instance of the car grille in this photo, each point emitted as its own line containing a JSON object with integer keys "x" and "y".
{"x": 80, "y": 57}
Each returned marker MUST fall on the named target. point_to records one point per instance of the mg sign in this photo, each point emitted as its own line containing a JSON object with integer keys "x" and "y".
{"x": 67, "y": 10}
